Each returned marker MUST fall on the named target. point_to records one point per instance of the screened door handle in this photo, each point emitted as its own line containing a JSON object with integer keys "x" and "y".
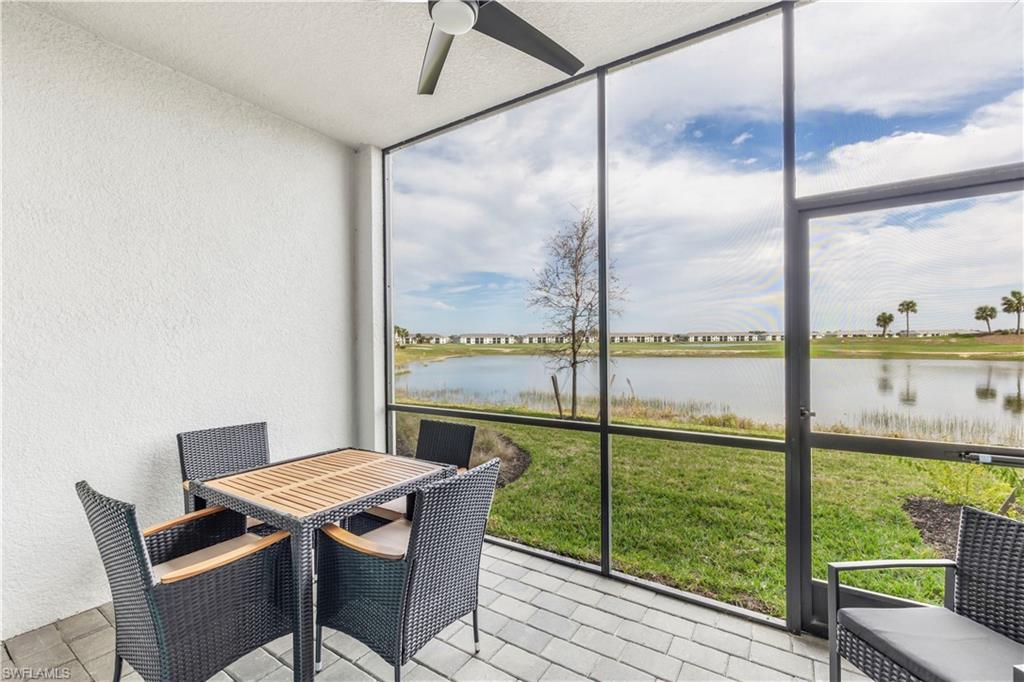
{"x": 805, "y": 413}
{"x": 986, "y": 458}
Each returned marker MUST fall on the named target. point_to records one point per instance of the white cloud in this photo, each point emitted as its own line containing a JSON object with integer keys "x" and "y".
{"x": 698, "y": 240}
{"x": 993, "y": 135}
{"x": 483, "y": 199}
{"x": 882, "y": 58}
{"x": 891, "y": 58}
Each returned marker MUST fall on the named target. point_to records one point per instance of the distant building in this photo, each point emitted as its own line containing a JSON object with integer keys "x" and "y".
{"x": 486, "y": 339}
{"x": 641, "y": 337}
{"x": 857, "y": 333}
{"x": 925, "y": 333}
{"x": 732, "y": 337}
{"x": 544, "y": 337}
{"x": 431, "y": 339}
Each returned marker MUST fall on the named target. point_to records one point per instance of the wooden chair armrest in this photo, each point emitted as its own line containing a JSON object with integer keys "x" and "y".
{"x": 362, "y": 545}
{"x": 198, "y": 514}
{"x": 223, "y": 559}
{"x": 383, "y": 513}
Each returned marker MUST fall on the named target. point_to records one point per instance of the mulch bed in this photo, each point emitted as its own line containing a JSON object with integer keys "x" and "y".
{"x": 514, "y": 461}
{"x": 938, "y": 522}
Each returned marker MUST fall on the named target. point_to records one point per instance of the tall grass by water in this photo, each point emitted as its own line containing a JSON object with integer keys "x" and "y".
{"x": 951, "y": 428}
{"x": 700, "y": 415}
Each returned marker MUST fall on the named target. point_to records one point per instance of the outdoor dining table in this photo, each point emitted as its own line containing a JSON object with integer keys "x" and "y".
{"x": 300, "y": 495}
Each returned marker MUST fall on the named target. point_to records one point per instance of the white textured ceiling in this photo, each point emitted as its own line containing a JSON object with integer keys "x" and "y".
{"x": 349, "y": 69}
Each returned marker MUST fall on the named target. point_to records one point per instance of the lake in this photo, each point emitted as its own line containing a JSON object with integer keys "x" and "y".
{"x": 975, "y": 401}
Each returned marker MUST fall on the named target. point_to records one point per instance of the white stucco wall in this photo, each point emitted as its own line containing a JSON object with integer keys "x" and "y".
{"x": 173, "y": 258}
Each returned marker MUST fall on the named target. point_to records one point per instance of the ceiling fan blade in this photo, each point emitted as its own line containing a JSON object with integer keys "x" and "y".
{"x": 433, "y": 60}
{"x": 498, "y": 22}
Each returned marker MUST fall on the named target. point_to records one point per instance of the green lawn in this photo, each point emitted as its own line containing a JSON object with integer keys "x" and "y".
{"x": 710, "y": 519}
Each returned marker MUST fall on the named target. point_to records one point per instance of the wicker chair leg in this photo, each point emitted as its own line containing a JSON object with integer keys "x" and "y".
{"x": 835, "y": 670}
{"x": 476, "y": 632}
{"x": 398, "y": 672}
{"x": 117, "y": 668}
{"x": 319, "y": 645}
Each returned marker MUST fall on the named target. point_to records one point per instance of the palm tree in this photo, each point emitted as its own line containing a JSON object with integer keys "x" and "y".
{"x": 1014, "y": 303}
{"x": 905, "y": 308}
{"x": 884, "y": 320}
{"x": 985, "y": 313}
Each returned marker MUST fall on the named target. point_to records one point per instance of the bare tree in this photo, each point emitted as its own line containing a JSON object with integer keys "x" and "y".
{"x": 568, "y": 292}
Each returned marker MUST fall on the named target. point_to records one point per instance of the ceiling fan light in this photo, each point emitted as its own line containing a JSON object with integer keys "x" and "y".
{"x": 454, "y": 17}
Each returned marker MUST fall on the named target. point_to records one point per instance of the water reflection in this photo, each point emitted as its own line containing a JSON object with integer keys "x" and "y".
{"x": 985, "y": 392}
{"x": 884, "y": 379}
{"x": 908, "y": 395}
{"x": 1014, "y": 403}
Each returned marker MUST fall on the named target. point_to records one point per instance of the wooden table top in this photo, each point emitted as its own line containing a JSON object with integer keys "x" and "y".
{"x": 304, "y": 486}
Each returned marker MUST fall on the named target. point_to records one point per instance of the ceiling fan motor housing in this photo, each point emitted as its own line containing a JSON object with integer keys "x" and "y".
{"x": 454, "y": 17}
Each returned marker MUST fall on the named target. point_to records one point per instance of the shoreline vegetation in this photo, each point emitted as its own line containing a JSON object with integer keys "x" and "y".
{"x": 709, "y": 417}
{"x": 959, "y": 347}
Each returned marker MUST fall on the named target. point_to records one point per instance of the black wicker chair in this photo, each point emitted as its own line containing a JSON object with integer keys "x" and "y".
{"x": 979, "y": 635}
{"x": 445, "y": 442}
{"x": 218, "y": 452}
{"x": 396, "y": 587}
{"x": 441, "y": 442}
{"x": 193, "y": 594}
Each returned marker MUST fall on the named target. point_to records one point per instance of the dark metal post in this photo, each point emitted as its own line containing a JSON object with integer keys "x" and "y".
{"x": 834, "y": 664}
{"x": 797, "y": 301}
{"x": 602, "y": 279}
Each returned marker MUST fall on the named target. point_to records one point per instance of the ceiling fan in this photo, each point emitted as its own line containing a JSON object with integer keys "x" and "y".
{"x": 455, "y": 17}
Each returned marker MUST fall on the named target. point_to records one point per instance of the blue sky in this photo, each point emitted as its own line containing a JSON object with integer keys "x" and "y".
{"x": 695, "y": 180}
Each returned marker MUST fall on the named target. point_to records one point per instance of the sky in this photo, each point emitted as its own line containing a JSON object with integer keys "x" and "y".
{"x": 885, "y": 91}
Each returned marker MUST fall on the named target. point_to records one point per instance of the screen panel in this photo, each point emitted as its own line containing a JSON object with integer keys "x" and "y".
{"x": 549, "y": 485}
{"x": 915, "y": 323}
{"x": 482, "y": 218}
{"x": 701, "y": 518}
{"x": 867, "y": 507}
{"x": 695, "y": 235}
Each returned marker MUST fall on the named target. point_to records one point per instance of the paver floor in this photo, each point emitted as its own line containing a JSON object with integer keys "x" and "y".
{"x": 539, "y": 620}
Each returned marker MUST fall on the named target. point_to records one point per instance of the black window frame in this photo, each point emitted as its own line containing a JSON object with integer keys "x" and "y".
{"x": 805, "y": 596}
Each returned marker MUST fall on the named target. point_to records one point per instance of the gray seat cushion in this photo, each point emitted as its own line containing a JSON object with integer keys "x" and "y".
{"x": 936, "y": 644}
